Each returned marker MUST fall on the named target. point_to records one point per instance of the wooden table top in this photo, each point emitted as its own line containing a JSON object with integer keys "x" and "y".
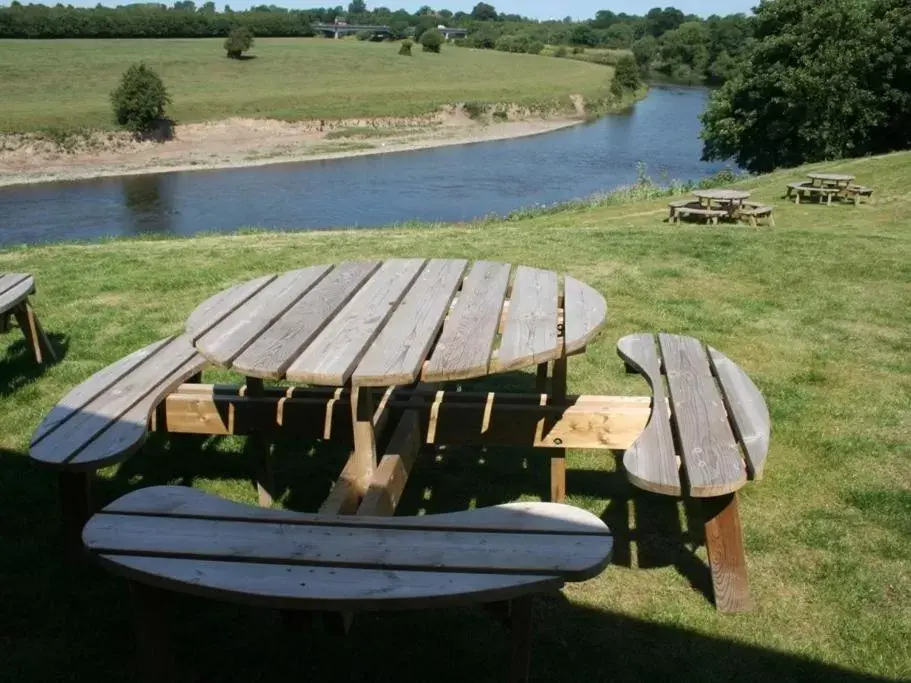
{"x": 834, "y": 177}
{"x": 721, "y": 194}
{"x": 395, "y": 322}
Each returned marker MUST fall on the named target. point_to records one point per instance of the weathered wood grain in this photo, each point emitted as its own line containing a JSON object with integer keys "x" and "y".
{"x": 218, "y": 307}
{"x": 724, "y": 542}
{"x": 226, "y": 340}
{"x": 464, "y": 347}
{"x": 651, "y": 462}
{"x": 747, "y": 411}
{"x": 584, "y": 314}
{"x": 14, "y": 289}
{"x": 276, "y": 348}
{"x": 398, "y": 353}
{"x": 332, "y": 356}
{"x": 709, "y": 451}
{"x": 531, "y": 325}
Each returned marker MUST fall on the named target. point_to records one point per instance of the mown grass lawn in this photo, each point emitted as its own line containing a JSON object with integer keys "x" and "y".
{"x": 816, "y": 311}
{"x": 66, "y": 84}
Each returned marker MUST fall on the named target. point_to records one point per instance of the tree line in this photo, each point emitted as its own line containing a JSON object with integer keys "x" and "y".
{"x": 666, "y": 41}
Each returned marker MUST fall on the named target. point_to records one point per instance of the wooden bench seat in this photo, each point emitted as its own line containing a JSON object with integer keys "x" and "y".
{"x": 754, "y": 212}
{"x": 857, "y": 192}
{"x": 710, "y": 215}
{"x": 184, "y": 540}
{"x": 15, "y": 289}
{"x": 796, "y": 190}
{"x": 707, "y": 436}
{"x": 105, "y": 420}
{"x": 679, "y": 204}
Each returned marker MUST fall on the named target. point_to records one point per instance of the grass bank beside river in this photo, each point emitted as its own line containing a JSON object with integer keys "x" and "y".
{"x": 815, "y": 310}
{"x": 294, "y": 99}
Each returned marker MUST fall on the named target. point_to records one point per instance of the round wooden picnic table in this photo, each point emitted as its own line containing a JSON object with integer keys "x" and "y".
{"x": 841, "y": 180}
{"x": 725, "y": 198}
{"x": 397, "y": 322}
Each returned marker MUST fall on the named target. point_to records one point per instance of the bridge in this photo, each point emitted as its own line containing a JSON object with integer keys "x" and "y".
{"x": 341, "y": 29}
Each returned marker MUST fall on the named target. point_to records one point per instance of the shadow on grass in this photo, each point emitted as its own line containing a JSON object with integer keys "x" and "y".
{"x": 18, "y": 366}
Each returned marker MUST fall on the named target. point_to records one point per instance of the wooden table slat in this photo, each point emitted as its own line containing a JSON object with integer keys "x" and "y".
{"x": 530, "y": 336}
{"x": 218, "y": 307}
{"x": 233, "y": 334}
{"x": 651, "y": 463}
{"x": 333, "y": 355}
{"x": 10, "y": 281}
{"x": 584, "y": 314}
{"x": 276, "y": 348}
{"x": 465, "y": 344}
{"x": 709, "y": 451}
{"x": 398, "y": 353}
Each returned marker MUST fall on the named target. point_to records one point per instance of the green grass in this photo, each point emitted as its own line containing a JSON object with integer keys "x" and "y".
{"x": 65, "y": 84}
{"x": 816, "y": 311}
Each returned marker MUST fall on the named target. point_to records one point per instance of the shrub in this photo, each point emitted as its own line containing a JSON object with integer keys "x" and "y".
{"x": 405, "y": 48}
{"x": 505, "y": 44}
{"x": 534, "y": 47}
{"x": 238, "y": 41}
{"x": 474, "y": 109}
{"x": 365, "y": 35}
{"x": 560, "y": 51}
{"x": 626, "y": 76}
{"x": 578, "y": 50}
{"x": 140, "y": 99}
{"x": 432, "y": 40}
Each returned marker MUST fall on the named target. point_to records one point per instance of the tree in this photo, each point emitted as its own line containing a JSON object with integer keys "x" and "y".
{"x": 431, "y": 40}
{"x": 357, "y": 7}
{"x": 238, "y": 41}
{"x": 139, "y": 101}
{"x": 644, "y": 50}
{"x": 583, "y": 35}
{"x": 484, "y": 12}
{"x": 822, "y": 81}
{"x": 626, "y": 76}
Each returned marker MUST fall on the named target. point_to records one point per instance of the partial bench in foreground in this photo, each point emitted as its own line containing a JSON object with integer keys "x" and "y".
{"x": 705, "y": 442}
{"x": 15, "y": 289}
{"x": 171, "y": 538}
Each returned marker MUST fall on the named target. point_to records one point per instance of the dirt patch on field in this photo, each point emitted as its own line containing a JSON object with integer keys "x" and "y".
{"x": 248, "y": 142}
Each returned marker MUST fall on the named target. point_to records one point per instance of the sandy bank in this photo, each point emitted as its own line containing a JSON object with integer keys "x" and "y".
{"x": 236, "y": 143}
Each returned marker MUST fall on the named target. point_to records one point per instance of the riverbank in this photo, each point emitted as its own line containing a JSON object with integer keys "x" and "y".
{"x": 242, "y": 142}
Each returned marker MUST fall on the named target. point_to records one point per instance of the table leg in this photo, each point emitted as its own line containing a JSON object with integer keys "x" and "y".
{"x": 520, "y": 629}
{"x": 150, "y": 622}
{"x": 75, "y": 509}
{"x": 558, "y": 455}
{"x": 364, "y": 457}
{"x": 727, "y": 560}
{"x": 262, "y": 451}
{"x": 541, "y": 379}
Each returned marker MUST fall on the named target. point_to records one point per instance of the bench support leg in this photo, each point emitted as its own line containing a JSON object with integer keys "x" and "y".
{"x": 265, "y": 481}
{"x": 364, "y": 456}
{"x": 34, "y": 333}
{"x": 75, "y": 509}
{"x": 5, "y": 322}
{"x": 724, "y": 542}
{"x": 520, "y": 622}
{"x": 150, "y": 622}
{"x": 558, "y": 456}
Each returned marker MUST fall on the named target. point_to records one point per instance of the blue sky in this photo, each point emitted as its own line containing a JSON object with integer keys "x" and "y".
{"x": 540, "y": 9}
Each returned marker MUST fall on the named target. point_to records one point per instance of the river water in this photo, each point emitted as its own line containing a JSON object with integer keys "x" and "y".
{"x": 445, "y": 184}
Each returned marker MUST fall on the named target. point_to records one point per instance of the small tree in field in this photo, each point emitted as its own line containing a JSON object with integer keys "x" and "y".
{"x": 140, "y": 99}
{"x": 238, "y": 41}
{"x": 405, "y": 48}
{"x": 626, "y": 76}
{"x": 432, "y": 40}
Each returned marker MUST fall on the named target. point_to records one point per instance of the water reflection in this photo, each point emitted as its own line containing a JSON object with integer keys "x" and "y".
{"x": 446, "y": 184}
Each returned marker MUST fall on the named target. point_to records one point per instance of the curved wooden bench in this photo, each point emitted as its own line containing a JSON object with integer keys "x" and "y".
{"x": 753, "y": 212}
{"x": 856, "y": 192}
{"x": 104, "y": 420}
{"x": 707, "y": 436}
{"x": 15, "y": 289}
{"x": 798, "y": 189}
{"x": 710, "y": 215}
{"x": 184, "y": 540}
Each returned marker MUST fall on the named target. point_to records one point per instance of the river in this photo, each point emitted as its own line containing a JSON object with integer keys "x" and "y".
{"x": 445, "y": 184}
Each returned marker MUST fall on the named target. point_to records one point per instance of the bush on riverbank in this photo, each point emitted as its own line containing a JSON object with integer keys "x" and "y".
{"x": 140, "y": 100}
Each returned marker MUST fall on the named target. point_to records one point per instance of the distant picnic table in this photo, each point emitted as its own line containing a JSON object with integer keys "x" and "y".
{"x": 837, "y": 180}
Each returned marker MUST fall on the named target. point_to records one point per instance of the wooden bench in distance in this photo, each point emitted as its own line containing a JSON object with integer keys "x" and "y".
{"x": 796, "y": 190}
{"x": 15, "y": 289}
{"x": 857, "y": 192}
{"x": 679, "y": 204}
{"x": 180, "y": 539}
{"x": 104, "y": 420}
{"x": 716, "y": 415}
{"x": 754, "y": 212}
{"x": 710, "y": 215}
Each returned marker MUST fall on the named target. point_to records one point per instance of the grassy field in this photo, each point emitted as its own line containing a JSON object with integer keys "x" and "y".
{"x": 816, "y": 311}
{"x": 65, "y": 84}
